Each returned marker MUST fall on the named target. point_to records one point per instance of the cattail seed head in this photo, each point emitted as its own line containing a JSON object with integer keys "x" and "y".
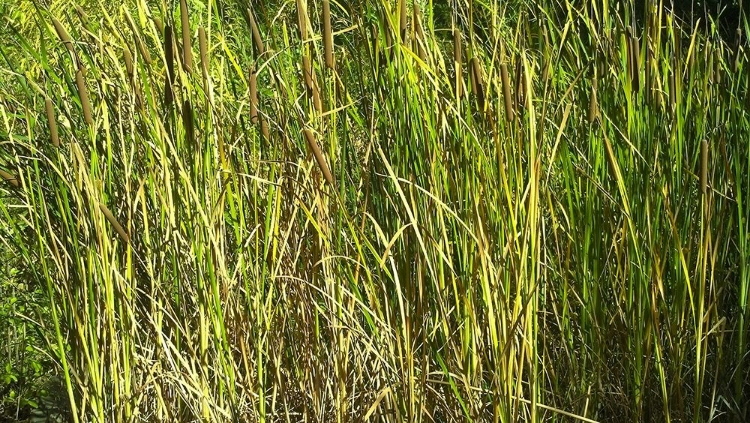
{"x": 128, "y": 62}
{"x": 9, "y": 178}
{"x": 327, "y": 34}
{"x": 310, "y": 138}
{"x": 257, "y": 41}
{"x": 52, "y": 122}
{"x": 302, "y": 19}
{"x": 187, "y": 120}
{"x": 115, "y": 224}
{"x": 476, "y": 69}
{"x": 265, "y": 130}
{"x": 84, "y": 96}
{"x": 63, "y": 34}
{"x": 159, "y": 25}
{"x": 457, "y": 60}
{"x": 509, "y": 113}
{"x": 402, "y": 20}
{"x": 186, "y": 43}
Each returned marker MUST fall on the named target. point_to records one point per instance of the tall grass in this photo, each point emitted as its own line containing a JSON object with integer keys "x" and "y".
{"x": 327, "y": 224}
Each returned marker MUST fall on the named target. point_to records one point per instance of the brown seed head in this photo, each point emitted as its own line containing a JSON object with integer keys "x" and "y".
{"x": 310, "y": 138}
{"x": 84, "y": 96}
{"x": 115, "y": 224}
{"x": 187, "y": 49}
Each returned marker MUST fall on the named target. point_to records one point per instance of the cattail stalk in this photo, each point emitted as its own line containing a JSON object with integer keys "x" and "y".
{"x": 115, "y": 224}
{"x": 9, "y": 178}
{"x": 84, "y": 96}
{"x": 52, "y": 122}
{"x": 509, "y": 114}
{"x": 186, "y": 43}
{"x": 327, "y": 34}
{"x": 310, "y": 138}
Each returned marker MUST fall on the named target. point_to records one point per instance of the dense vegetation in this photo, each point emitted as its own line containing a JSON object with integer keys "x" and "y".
{"x": 374, "y": 210}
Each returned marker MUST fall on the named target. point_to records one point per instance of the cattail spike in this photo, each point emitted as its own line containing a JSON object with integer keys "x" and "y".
{"x": 509, "y": 113}
{"x": 458, "y": 59}
{"x": 84, "y": 96}
{"x": 203, "y": 45}
{"x": 257, "y": 41}
{"x": 327, "y": 34}
{"x": 169, "y": 56}
{"x": 318, "y": 155}
{"x": 63, "y": 35}
{"x": 186, "y": 43}
{"x": 128, "y": 62}
{"x": 402, "y": 20}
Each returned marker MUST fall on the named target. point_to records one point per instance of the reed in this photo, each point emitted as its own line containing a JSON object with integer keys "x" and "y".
{"x": 313, "y": 145}
{"x": 187, "y": 49}
{"x": 51, "y": 122}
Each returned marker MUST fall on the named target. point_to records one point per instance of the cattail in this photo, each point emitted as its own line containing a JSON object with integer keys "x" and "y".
{"x": 9, "y": 178}
{"x": 635, "y": 55}
{"x": 327, "y": 34}
{"x": 704, "y": 167}
{"x": 307, "y": 70}
{"x": 203, "y": 45}
{"x": 647, "y": 71}
{"x": 593, "y": 103}
{"x": 186, "y": 43}
{"x": 141, "y": 46}
{"x": 418, "y": 32}
{"x": 253, "y": 96}
{"x": 115, "y": 224}
{"x": 478, "y": 80}
{"x": 257, "y": 41}
{"x": 84, "y": 95}
{"x": 457, "y": 59}
{"x": 128, "y": 62}
{"x": 318, "y": 155}
{"x": 402, "y": 20}
{"x": 63, "y": 34}
{"x": 169, "y": 56}
{"x": 265, "y": 131}
{"x": 509, "y": 114}
{"x": 302, "y": 19}
{"x": 187, "y": 120}
{"x": 159, "y": 25}
{"x": 82, "y": 13}
{"x": 52, "y": 122}
{"x": 520, "y": 86}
